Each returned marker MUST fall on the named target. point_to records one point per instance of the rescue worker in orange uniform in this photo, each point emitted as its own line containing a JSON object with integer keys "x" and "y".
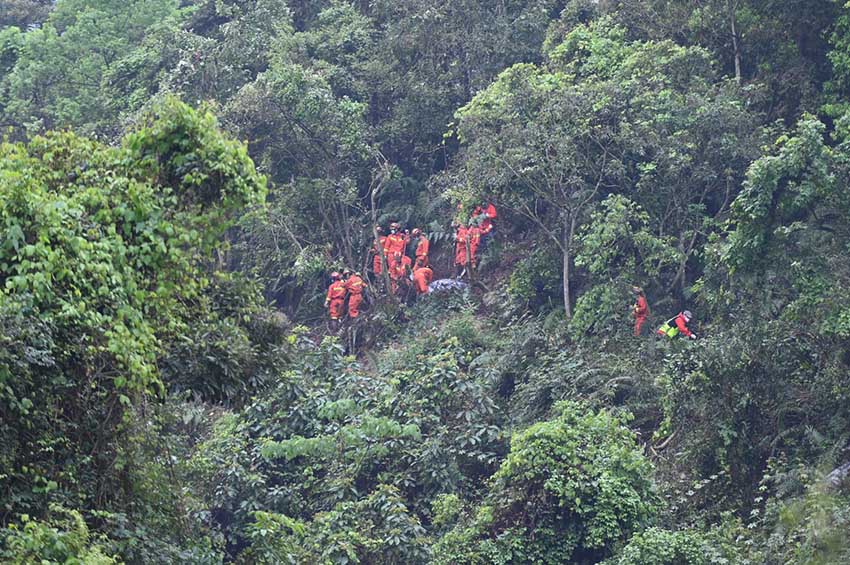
{"x": 423, "y": 246}
{"x": 355, "y": 287}
{"x": 335, "y": 300}
{"x": 461, "y": 258}
{"x": 422, "y": 277}
{"x": 640, "y": 310}
{"x": 377, "y": 266}
{"x": 486, "y": 215}
{"x": 473, "y": 233}
{"x": 677, "y": 326}
{"x": 399, "y": 271}
{"x": 395, "y": 244}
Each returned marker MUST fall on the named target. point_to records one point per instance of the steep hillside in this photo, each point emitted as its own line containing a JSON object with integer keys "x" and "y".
{"x": 189, "y": 189}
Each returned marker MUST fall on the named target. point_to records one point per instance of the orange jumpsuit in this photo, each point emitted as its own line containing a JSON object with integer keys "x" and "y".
{"x": 640, "y": 312}
{"x": 460, "y": 247}
{"x": 487, "y": 222}
{"x": 422, "y": 249}
{"x": 395, "y": 243}
{"x": 336, "y": 300}
{"x": 355, "y": 287}
{"x": 422, "y": 277}
{"x": 474, "y": 235}
{"x": 398, "y": 272}
{"x": 377, "y": 267}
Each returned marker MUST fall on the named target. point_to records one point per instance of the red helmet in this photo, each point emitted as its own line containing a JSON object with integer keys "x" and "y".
{"x": 379, "y": 229}
{"x": 335, "y": 275}
{"x": 416, "y": 231}
{"x": 395, "y": 226}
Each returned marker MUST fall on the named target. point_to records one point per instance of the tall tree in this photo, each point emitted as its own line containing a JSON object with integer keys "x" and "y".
{"x": 607, "y": 115}
{"x": 58, "y": 79}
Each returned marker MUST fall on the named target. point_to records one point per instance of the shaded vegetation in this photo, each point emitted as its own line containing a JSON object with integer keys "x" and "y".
{"x": 177, "y": 180}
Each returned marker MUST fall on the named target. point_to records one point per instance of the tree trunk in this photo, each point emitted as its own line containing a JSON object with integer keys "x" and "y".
{"x": 732, "y": 7}
{"x": 569, "y": 232}
{"x": 347, "y": 240}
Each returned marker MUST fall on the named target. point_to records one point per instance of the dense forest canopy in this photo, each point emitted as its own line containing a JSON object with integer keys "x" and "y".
{"x": 186, "y": 184}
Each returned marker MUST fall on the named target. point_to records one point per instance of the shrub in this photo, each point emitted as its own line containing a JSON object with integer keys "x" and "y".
{"x": 569, "y": 490}
{"x": 62, "y": 539}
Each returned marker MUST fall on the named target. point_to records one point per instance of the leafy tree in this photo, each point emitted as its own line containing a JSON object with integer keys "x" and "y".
{"x": 64, "y": 538}
{"x": 789, "y": 222}
{"x": 568, "y": 491}
{"x": 776, "y": 49}
{"x": 661, "y": 547}
{"x": 617, "y": 247}
{"x": 316, "y": 146}
{"x": 104, "y": 264}
{"x": 606, "y": 115}
{"x": 58, "y": 78}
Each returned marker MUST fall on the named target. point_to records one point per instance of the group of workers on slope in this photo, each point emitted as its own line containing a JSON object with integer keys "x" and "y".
{"x": 404, "y": 272}
{"x": 469, "y": 238}
{"x": 347, "y": 285}
{"x": 672, "y": 328}
{"x": 401, "y": 269}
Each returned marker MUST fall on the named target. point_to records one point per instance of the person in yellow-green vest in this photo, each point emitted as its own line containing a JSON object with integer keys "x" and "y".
{"x": 678, "y": 326}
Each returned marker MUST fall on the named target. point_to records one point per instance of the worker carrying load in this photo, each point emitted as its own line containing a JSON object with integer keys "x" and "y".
{"x": 356, "y": 288}
{"x": 423, "y": 246}
{"x": 422, "y": 276}
{"x": 485, "y": 215}
{"x": 677, "y": 326}
{"x": 640, "y": 310}
{"x": 395, "y": 244}
{"x": 377, "y": 266}
{"x": 335, "y": 300}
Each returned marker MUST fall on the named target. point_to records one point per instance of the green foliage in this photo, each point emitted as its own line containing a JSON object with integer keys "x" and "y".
{"x": 779, "y": 190}
{"x": 62, "y": 539}
{"x": 105, "y": 270}
{"x": 619, "y": 149}
{"x": 377, "y": 529}
{"x": 662, "y": 547}
{"x": 58, "y": 80}
{"x": 535, "y": 280}
{"x": 618, "y": 249}
{"x": 810, "y": 527}
{"x": 785, "y": 255}
{"x": 353, "y": 458}
{"x": 616, "y": 242}
{"x": 739, "y": 396}
{"x": 608, "y": 116}
{"x": 569, "y": 490}
{"x": 215, "y": 175}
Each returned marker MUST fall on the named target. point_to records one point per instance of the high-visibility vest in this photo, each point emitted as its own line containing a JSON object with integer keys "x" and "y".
{"x": 669, "y": 328}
